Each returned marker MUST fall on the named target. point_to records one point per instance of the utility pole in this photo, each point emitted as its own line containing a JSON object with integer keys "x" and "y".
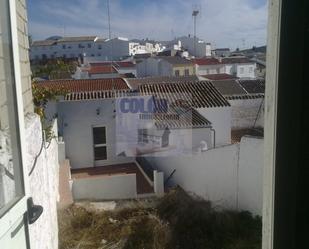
{"x": 194, "y": 14}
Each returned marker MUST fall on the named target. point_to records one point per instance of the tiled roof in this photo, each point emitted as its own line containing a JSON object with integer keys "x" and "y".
{"x": 229, "y": 87}
{"x": 221, "y": 76}
{"x": 119, "y": 64}
{"x": 135, "y": 82}
{"x": 183, "y": 118}
{"x": 43, "y": 43}
{"x": 86, "y": 85}
{"x": 206, "y": 61}
{"x": 175, "y": 60}
{"x": 253, "y": 86}
{"x": 200, "y": 94}
{"x": 77, "y": 39}
{"x": 106, "y": 69}
{"x": 235, "y": 60}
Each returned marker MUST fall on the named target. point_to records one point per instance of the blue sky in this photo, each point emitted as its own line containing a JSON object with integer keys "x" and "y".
{"x": 224, "y": 23}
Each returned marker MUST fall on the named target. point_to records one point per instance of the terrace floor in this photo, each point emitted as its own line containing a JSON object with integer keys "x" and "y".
{"x": 143, "y": 186}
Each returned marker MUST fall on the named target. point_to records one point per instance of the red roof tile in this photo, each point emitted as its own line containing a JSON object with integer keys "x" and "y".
{"x": 123, "y": 64}
{"x": 106, "y": 69}
{"x": 86, "y": 85}
{"x": 206, "y": 61}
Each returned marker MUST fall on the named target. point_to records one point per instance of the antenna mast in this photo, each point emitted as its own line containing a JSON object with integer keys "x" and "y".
{"x": 109, "y": 21}
{"x": 194, "y": 14}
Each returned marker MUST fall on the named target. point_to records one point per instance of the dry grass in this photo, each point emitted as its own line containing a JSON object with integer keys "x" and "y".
{"x": 177, "y": 221}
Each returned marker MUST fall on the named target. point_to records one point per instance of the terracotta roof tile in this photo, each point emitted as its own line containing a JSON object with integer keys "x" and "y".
{"x": 104, "y": 69}
{"x": 206, "y": 61}
{"x": 86, "y": 85}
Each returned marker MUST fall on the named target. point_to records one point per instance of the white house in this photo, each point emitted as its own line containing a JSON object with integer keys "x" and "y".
{"x": 165, "y": 66}
{"x": 246, "y": 98}
{"x": 206, "y": 66}
{"x": 241, "y": 67}
{"x": 67, "y": 47}
{"x": 192, "y": 44}
{"x": 204, "y": 98}
{"x": 90, "y": 48}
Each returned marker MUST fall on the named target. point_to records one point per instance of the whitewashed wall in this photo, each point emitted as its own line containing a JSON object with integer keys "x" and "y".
{"x": 220, "y": 118}
{"x": 76, "y": 119}
{"x": 209, "y": 69}
{"x": 245, "y": 111}
{"x": 44, "y": 182}
{"x": 229, "y": 176}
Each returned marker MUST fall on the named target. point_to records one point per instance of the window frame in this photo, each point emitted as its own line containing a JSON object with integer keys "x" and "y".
{"x": 98, "y": 145}
{"x": 17, "y": 210}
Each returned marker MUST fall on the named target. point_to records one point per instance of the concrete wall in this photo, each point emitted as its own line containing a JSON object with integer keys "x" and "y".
{"x": 235, "y": 69}
{"x": 105, "y": 187}
{"x": 220, "y": 118}
{"x": 148, "y": 67}
{"x": 229, "y": 176}
{"x": 6, "y": 68}
{"x": 250, "y": 175}
{"x": 245, "y": 111}
{"x": 44, "y": 182}
{"x": 209, "y": 69}
{"x": 76, "y": 119}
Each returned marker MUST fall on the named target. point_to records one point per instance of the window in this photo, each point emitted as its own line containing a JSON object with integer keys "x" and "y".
{"x": 176, "y": 72}
{"x": 11, "y": 180}
{"x": 241, "y": 70}
{"x": 89, "y": 45}
{"x": 187, "y": 72}
{"x": 218, "y": 70}
{"x": 142, "y": 136}
{"x": 250, "y": 69}
{"x": 99, "y": 142}
{"x": 100, "y": 46}
{"x": 63, "y": 46}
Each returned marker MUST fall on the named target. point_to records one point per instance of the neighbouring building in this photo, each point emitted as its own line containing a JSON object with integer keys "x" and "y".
{"x": 206, "y": 66}
{"x": 204, "y": 98}
{"x": 195, "y": 46}
{"x": 246, "y": 98}
{"x": 221, "y": 52}
{"x": 241, "y": 67}
{"x": 89, "y": 48}
{"x": 165, "y": 66}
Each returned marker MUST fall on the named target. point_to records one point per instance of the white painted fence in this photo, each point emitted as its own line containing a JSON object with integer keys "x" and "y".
{"x": 229, "y": 176}
{"x": 105, "y": 187}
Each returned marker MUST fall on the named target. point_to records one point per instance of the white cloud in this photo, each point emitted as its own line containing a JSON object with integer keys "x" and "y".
{"x": 223, "y": 22}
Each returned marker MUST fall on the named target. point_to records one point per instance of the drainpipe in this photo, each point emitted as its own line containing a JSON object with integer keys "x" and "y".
{"x": 214, "y": 131}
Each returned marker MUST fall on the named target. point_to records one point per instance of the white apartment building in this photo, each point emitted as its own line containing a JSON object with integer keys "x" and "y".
{"x": 97, "y": 49}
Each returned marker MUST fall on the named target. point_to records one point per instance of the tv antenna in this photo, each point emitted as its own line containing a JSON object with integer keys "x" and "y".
{"x": 195, "y": 12}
